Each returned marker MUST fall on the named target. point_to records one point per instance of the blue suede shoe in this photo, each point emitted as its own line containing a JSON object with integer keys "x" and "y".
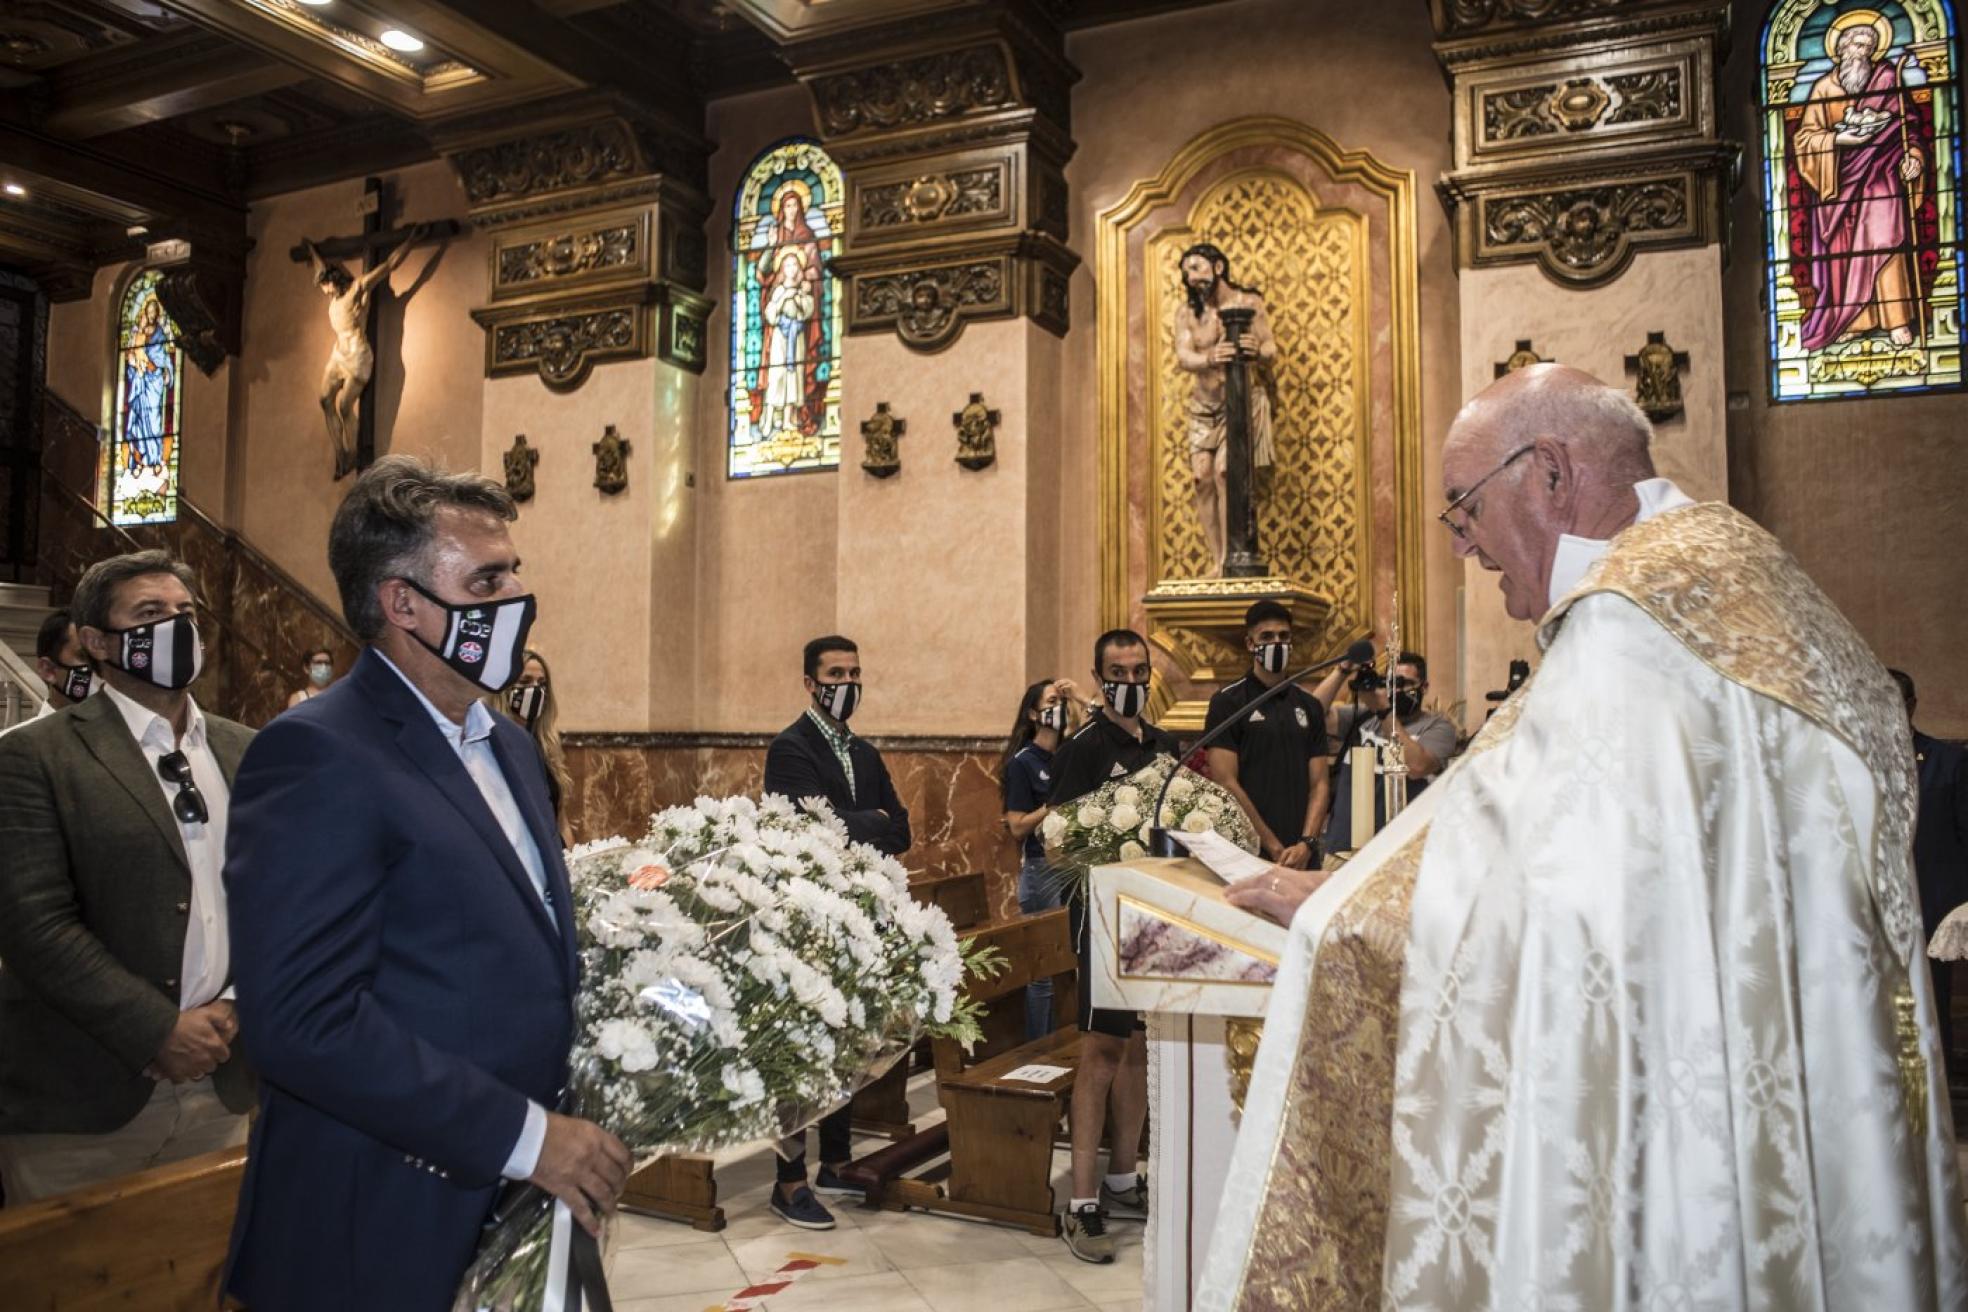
{"x": 802, "y": 1210}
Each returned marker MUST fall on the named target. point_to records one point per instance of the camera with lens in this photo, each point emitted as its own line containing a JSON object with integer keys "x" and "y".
{"x": 1367, "y": 679}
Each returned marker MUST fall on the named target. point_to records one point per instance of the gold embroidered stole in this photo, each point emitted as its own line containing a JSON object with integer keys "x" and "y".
{"x": 1321, "y": 1230}
{"x": 1729, "y": 592}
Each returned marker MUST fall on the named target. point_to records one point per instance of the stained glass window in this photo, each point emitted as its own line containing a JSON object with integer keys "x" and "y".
{"x": 785, "y": 314}
{"x": 1861, "y": 185}
{"x": 140, "y": 460}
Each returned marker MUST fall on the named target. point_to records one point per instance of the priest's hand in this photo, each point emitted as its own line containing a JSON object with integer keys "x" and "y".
{"x": 1277, "y": 894}
{"x": 583, "y": 1166}
{"x": 198, "y": 1044}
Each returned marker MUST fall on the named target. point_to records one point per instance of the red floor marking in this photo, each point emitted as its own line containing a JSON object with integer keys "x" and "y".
{"x": 796, "y": 1265}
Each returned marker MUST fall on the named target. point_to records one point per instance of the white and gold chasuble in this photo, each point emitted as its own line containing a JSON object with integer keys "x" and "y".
{"x": 1629, "y": 1011}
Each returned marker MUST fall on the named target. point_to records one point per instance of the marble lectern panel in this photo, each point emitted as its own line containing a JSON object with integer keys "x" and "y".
{"x": 1164, "y": 940}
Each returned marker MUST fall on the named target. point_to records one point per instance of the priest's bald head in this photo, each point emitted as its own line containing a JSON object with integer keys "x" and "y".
{"x": 1544, "y": 451}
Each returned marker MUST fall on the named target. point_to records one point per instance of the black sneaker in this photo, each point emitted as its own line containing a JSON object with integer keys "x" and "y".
{"x": 1086, "y": 1235}
{"x": 829, "y": 1183}
{"x": 802, "y": 1210}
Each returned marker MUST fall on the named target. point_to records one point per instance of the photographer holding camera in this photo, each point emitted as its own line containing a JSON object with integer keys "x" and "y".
{"x": 1427, "y": 740}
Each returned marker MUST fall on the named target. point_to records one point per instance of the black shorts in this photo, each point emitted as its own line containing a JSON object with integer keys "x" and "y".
{"x": 1095, "y": 1020}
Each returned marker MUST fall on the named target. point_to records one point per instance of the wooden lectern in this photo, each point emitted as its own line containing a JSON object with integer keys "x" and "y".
{"x": 1166, "y": 944}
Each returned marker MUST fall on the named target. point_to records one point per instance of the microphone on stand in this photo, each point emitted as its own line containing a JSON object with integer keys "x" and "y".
{"x": 1360, "y": 653}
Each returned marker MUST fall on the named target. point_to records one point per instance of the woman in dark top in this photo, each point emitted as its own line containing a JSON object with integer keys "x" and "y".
{"x": 1049, "y": 709}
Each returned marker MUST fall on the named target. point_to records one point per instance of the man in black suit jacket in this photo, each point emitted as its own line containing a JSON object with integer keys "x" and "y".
{"x": 1940, "y": 843}
{"x": 116, "y": 1022}
{"x": 402, "y": 928}
{"x": 817, "y": 756}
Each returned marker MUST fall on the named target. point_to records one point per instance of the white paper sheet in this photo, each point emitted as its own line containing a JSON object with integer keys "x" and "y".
{"x": 1036, "y": 1074}
{"x": 1224, "y": 858}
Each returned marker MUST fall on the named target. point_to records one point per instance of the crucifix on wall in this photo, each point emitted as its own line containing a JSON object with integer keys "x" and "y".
{"x": 354, "y": 312}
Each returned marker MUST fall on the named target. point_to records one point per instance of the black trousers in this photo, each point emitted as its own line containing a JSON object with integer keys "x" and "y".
{"x": 836, "y": 1145}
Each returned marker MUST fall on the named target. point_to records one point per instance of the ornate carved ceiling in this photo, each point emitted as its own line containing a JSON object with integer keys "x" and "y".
{"x": 171, "y": 116}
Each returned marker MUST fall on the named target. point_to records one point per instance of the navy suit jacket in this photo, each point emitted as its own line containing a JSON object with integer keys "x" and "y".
{"x": 402, "y": 991}
{"x": 800, "y": 764}
{"x": 1940, "y": 840}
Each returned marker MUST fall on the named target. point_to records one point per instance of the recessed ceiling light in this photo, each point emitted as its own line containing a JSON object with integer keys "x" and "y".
{"x": 317, "y": 3}
{"x": 15, "y": 189}
{"x": 402, "y": 41}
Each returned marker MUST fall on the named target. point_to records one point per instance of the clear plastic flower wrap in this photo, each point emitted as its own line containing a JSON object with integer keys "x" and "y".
{"x": 745, "y": 968}
{"x": 1111, "y": 823}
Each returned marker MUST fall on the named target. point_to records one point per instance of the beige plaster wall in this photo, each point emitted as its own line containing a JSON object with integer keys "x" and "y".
{"x": 1677, "y": 292}
{"x": 429, "y": 375}
{"x": 79, "y": 372}
{"x": 1370, "y": 82}
{"x": 766, "y": 548}
{"x": 1870, "y": 496}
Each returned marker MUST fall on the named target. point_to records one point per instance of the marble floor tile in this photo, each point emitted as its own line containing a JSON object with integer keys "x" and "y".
{"x": 766, "y": 1253}
{"x": 673, "y": 1303}
{"x": 706, "y": 1267}
{"x": 1022, "y": 1283}
{"x": 634, "y": 1231}
{"x": 889, "y": 1291}
{"x": 1118, "y": 1279}
{"x": 915, "y": 1240}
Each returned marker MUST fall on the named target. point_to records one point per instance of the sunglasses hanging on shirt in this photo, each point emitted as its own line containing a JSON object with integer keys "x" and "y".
{"x": 164, "y": 652}
{"x": 189, "y": 804}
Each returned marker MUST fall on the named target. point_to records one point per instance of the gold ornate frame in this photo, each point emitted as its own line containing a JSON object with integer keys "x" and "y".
{"x": 1396, "y": 188}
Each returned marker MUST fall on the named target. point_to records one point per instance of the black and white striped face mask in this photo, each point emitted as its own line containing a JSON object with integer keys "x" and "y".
{"x": 165, "y": 652}
{"x": 838, "y": 699}
{"x": 483, "y": 640}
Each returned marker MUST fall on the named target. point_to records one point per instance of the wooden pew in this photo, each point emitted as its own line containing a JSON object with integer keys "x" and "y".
{"x": 156, "y": 1240}
{"x": 1001, "y": 1132}
{"x": 681, "y": 1188}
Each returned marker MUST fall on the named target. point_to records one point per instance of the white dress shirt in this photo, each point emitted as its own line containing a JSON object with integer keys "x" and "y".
{"x": 472, "y": 741}
{"x": 1577, "y": 555}
{"x": 207, "y": 951}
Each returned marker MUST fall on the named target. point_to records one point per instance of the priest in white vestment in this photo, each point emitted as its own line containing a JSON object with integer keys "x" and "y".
{"x": 1629, "y": 1010}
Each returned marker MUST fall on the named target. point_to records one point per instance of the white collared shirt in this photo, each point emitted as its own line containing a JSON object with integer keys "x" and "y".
{"x": 207, "y": 951}
{"x": 1576, "y": 555}
{"x": 472, "y": 741}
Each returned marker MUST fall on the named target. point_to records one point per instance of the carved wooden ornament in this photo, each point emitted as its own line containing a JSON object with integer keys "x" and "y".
{"x": 881, "y": 457}
{"x": 611, "y": 461}
{"x": 520, "y": 460}
{"x": 977, "y": 428}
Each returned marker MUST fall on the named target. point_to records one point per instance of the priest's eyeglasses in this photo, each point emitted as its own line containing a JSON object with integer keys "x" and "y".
{"x": 189, "y": 804}
{"x": 1462, "y": 530}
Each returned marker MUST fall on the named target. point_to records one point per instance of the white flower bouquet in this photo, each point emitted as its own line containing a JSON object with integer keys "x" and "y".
{"x": 1111, "y": 823}
{"x": 745, "y": 968}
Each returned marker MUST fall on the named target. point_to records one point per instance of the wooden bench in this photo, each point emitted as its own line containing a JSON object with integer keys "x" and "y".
{"x": 1000, "y": 1132}
{"x": 156, "y": 1239}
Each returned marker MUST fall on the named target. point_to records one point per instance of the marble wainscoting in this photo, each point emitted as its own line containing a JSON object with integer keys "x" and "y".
{"x": 950, "y": 786}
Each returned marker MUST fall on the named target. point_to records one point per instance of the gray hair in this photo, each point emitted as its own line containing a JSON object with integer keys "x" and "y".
{"x": 95, "y": 595}
{"x": 386, "y": 524}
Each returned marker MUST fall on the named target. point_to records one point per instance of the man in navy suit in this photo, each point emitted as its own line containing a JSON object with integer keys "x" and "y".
{"x": 402, "y": 934}
{"x": 817, "y": 756}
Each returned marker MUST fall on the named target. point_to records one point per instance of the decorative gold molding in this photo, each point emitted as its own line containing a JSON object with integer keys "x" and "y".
{"x": 1111, "y": 274}
{"x": 576, "y": 253}
{"x": 927, "y": 301}
{"x": 563, "y": 341}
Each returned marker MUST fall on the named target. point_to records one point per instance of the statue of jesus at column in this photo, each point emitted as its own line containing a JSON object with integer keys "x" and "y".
{"x": 1201, "y": 349}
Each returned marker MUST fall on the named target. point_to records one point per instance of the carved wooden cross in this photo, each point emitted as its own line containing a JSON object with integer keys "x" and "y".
{"x": 374, "y": 244}
{"x": 1523, "y": 355}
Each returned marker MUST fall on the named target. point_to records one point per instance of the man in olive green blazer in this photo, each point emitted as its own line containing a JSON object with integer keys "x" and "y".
{"x": 117, "y": 1030}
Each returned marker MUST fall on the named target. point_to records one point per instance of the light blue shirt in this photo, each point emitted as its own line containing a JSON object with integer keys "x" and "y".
{"x": 472, "y": 741}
